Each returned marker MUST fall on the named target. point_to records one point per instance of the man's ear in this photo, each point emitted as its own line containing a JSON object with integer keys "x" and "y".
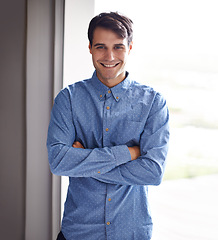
{"x": 130, "y": 47}
{"x": 90, "y": 48}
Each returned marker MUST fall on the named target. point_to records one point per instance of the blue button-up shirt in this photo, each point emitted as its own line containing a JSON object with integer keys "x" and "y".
{"x": 107, "y": 193}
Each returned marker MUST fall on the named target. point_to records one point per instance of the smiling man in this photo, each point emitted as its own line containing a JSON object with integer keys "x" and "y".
{"x": 110, "y": 135}
{"x": 109, "y": 54}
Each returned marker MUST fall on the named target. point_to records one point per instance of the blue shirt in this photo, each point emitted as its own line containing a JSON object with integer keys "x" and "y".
{"x": 107, "y": 195}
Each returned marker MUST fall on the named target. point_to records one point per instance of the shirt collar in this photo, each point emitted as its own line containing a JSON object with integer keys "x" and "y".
{"x": 116, "y": 91}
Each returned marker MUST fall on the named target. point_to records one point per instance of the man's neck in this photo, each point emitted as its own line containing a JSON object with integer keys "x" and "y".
{"x": 113, "y": 82}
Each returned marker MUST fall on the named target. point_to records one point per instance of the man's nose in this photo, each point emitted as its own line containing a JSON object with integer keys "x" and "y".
{"x": 109, "y": 55}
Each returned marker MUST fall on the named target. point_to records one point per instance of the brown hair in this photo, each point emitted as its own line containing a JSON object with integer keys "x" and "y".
{"x": 114, "y": 21}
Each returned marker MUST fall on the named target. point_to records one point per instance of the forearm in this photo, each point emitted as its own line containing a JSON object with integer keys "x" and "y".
{"x": 77, "y": 162}
{"x": 130, "y": 173}
{"x": 83, "y": 162}
{"x": 142, "y": 171}
{"x": 134, "y": 151}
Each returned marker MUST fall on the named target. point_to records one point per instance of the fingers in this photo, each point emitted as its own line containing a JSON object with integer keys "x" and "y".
{"x": 77, "y": 145}
{"x": 134, "y": 152}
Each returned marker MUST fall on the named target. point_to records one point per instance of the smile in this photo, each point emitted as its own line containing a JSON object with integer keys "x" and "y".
{"x": 109, "y": 65}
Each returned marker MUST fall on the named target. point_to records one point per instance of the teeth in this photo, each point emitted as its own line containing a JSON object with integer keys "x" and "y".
{"x": 109, "y": 66}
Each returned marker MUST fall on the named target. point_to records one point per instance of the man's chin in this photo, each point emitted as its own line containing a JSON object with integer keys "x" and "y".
{"x": 111, "y": 79}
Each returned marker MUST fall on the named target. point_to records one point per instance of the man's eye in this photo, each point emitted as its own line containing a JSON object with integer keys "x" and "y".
{"x": 100, "y": 47}
{"x": 118, "y": 47}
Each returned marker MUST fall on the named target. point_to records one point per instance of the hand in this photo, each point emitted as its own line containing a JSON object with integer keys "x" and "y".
{"x": 77, "y": 145}
{"x": 134, "y": 152}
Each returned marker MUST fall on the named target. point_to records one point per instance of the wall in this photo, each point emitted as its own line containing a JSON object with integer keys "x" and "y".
{"x": 77, "y": 58}
{"x": 39, "y": 95}
{"x": 26, "y": 96}
{"x": 12, "y": 119}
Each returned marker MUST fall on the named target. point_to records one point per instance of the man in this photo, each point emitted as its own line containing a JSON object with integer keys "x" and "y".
{"x": 109, "y": 134}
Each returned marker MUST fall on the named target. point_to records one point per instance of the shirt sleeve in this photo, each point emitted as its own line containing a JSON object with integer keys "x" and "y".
{"x": 66, "y": 160}
{"x": 148, "y": 169}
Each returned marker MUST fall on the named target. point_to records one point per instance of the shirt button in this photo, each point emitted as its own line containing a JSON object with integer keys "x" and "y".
{"x": 108, "y": 107}
{"x": 99, "y": 172}
{"x": 117, "y": 98}
{"x": 107, "y": 129}
{"x": 109, "y": 91}
{"x": 108, "y": 223}
{"x": 100, "y": 95}
{"x": 109, "y": 199}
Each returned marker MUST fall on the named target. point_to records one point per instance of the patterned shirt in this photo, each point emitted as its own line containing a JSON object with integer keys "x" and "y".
{"x": 107, "y": 193}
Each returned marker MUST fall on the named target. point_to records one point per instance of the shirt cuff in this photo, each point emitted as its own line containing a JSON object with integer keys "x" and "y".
{"x": 121, "y": 154}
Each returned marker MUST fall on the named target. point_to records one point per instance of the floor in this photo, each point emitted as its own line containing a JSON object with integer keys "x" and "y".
{"x": 185, "y": 209}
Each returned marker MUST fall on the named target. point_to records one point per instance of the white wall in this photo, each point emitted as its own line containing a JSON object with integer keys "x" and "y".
{"x": 77, "y": 59}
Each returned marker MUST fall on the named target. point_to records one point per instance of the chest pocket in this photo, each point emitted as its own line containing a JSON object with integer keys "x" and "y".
{"x": 135, "y": 113}
{"x": 131, "y": 112}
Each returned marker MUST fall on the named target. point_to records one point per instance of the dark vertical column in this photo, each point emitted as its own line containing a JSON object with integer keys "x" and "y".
{"x": 12, "y": 119}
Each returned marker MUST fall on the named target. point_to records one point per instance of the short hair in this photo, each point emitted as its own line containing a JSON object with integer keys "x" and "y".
{"x": 120, "y": 24}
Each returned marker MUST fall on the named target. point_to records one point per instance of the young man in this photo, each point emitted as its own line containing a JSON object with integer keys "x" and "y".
{"x": 110, "y": 135}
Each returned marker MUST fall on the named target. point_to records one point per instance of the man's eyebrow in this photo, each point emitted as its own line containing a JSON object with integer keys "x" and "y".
{"x": 119, "y": 44}
{"x": 102, "y": 44}
{"x": 99, "y": 44}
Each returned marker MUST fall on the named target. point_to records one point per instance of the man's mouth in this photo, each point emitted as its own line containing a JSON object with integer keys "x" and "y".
{"x": 109, "y": 65}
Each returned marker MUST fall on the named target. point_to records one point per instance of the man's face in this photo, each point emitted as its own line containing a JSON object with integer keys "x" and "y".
{"x": 109, "y": 56}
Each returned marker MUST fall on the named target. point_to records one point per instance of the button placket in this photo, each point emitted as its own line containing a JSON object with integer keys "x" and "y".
{"x": 109, "y": 209}
{"x": 106, "y": 119}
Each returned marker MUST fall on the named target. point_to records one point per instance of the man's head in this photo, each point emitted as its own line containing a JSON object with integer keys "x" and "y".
{"x": 119, "y": 24}
{"x": 110, "y": 36}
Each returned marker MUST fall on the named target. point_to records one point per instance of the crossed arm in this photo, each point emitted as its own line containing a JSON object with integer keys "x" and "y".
{"x": 137, "y": 165}
{"x": 134, "y": 151}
